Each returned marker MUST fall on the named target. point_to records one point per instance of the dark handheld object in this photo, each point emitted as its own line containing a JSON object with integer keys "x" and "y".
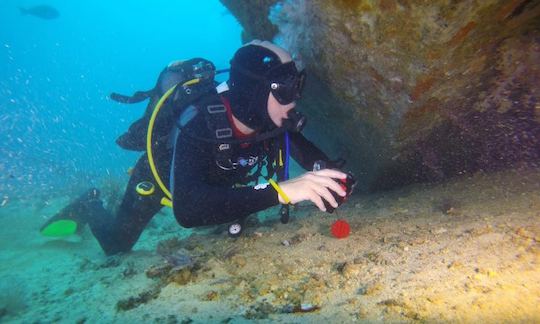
{"x": 284, "y": 214}
{"x": 347, "y": 184}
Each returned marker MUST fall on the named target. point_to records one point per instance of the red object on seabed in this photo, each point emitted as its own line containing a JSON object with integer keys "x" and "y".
{"x": 341, "y": 229}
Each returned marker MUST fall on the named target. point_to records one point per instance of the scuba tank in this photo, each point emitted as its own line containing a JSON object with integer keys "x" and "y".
{"x": 195, "y": 77}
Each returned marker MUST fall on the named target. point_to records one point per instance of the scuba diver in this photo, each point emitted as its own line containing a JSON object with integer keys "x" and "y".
{"x": 216, "y": 146}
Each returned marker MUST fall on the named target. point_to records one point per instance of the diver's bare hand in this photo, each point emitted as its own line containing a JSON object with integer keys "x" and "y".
{"x": 314, "y": 186}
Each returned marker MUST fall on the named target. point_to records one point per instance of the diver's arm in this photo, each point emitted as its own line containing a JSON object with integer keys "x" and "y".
{"x": 197, "y": 202}
{"x": 304, "y": 151}
{"x": 317, "y": 185}
{"x": 313, "y": 186}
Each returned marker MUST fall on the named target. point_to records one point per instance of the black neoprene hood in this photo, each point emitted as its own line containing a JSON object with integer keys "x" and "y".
{"x": 253, "y": 67}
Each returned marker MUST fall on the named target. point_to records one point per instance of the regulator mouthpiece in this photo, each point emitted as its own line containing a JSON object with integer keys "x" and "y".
{"x": 296, "y": 121}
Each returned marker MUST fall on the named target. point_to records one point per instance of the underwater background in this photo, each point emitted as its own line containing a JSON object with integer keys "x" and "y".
{"x": 457, "y": 249}
{"x": 58, "y": 126}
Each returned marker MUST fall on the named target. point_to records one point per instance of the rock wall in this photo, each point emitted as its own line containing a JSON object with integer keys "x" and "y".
{"x": 413, "y": 90}
{"x": 253, "y": 16}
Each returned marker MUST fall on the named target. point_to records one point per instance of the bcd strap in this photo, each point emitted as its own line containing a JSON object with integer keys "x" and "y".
{"x": 218, "y": 122}
{"x": 222, "y": 139}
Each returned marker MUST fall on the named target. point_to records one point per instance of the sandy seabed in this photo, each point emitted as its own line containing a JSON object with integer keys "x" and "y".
{"x": 467, "y": 251}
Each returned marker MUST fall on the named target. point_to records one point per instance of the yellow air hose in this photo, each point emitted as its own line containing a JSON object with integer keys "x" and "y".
{"x": 149, "y": 142}
{"x": 166, "y": 201}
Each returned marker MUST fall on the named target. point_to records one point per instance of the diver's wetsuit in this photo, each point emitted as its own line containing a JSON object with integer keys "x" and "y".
{"x": 203, "y": 187}
{"x": 203, "y": 192}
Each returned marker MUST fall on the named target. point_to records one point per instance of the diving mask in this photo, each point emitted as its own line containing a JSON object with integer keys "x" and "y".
{"x": 289, "y": 88}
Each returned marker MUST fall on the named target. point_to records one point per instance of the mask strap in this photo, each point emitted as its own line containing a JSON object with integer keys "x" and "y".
{"x": 247, "y": 73}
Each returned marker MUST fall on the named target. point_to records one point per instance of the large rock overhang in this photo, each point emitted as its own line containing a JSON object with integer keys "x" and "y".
{"x": 411, "y": 90}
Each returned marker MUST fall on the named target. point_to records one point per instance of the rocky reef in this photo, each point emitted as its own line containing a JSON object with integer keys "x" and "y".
{"x": 413, "y": 90}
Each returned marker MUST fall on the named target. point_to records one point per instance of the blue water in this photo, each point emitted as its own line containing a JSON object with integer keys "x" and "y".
{"x": 57, "y": 125}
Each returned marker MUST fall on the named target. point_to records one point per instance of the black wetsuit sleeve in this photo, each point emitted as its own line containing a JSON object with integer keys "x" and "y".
{"x": 201, "y": 198}
{"x": 305, "y": 152}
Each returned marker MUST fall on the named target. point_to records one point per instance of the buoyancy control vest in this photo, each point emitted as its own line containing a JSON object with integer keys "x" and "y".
{"x": 215, "y": 115}
{"x": 226, "y": 148}
{"x": 179, "y": 85}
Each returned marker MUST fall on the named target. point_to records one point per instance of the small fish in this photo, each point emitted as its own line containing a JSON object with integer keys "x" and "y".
{"x": 41, "y": 11}
{"x": 4, "y": 201}
{"x": 130, "y": 170}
